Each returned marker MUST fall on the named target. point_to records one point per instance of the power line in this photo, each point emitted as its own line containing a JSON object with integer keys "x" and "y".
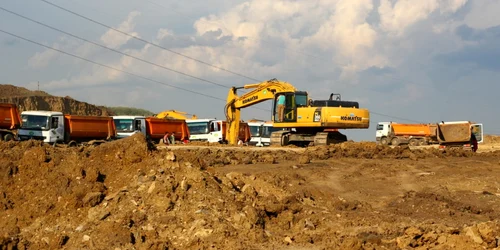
{"x": 394, "y": 117}
{"x": 248, "y": 37}
{"x": 145, "y": 41}
{"x": 161, "y": 47}
{"x": 114, "y": 50}
{"x": 109, "y": 67}
{"x": 303, "y": 53}
{"x": 119, "y": 70}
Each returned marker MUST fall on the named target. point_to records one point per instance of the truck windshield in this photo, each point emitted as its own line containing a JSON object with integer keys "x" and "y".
{"x": 35, "y": 122}
{"x": 124, "y": 125}
{"x": 198, "y": 128}
{"x": 266, "y": 133}
{"x": 380, "y": 127}
{"x": 255, "y": 130}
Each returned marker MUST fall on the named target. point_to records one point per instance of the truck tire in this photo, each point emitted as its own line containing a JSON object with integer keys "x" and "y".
{"x": 8, "y": 137}
{"x": 384, "y": 141}
{"x": 395, "y": 141}
{"x": 413, "y": 142}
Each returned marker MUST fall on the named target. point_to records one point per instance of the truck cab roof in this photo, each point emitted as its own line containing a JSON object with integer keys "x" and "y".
{"x": 199, "y": 120}
{"x": 127, "y": 117}
{"x": 42, "y": 113}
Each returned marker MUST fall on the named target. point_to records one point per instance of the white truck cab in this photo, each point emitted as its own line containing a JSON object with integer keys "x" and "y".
{"x": 261, "y": 133}
{"x": 256, "y": 132}
{"x": 383, "y": 130}
{"x": 128, "y": 125}
{"x": 205, "y": 130}
{"x": 47, "y": 126}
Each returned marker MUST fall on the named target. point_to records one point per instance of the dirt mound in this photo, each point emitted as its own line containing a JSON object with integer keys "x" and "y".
{"x": 127, "y": 194}
{"x": 491, "y": 139}
{"x": 371, "y": 150}
{"x": 39, "y": 100}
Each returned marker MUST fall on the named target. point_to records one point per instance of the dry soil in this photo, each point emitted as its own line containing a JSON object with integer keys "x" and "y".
{"x": 127, "y": 194}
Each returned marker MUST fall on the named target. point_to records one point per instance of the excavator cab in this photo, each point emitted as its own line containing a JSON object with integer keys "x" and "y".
{"x": 293, "y": 100}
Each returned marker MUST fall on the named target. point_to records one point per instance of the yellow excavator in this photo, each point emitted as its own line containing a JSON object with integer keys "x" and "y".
{"x": 174, "y": 114}
{"x": 303, "y": 121}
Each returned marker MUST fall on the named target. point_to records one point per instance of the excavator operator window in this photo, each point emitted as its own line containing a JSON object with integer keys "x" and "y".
{"x": 301, "y": 100}
{"x": 290, "y": 108}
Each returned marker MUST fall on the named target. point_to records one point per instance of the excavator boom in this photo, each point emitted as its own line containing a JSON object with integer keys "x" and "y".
{"x": 260, "y": 92}
{"x": 174, "y": 114}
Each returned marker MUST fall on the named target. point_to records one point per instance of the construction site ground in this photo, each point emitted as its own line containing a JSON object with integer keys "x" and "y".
{"x": 128, "y": 194}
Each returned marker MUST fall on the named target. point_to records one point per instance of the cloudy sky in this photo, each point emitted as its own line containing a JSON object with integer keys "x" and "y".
{"x": 404, "y": 60}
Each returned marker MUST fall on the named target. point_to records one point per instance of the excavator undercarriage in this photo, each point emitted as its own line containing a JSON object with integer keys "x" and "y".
{"x": 309, "y": 138}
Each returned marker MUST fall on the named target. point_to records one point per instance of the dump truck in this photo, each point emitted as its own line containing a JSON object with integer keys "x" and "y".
{"x": 212, "y": 130}
{"x": 56, "y": 127}
{"x": 391, "y": 133}
{"x": 443, "y": 133}
{"x": 153, "y": 128}
{"x": 458, "y": 133}
{"x": 261, "y": 132}
{"x": 9, "y": 121}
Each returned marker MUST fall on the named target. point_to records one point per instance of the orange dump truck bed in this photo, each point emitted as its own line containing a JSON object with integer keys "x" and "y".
{"x": 414, "y": 129}
{"x": 89, "y": 127}
{"x": 9, "y": 116}
{"x": 156, "y": 128}
{"x": 454, "y": 132}
{"x": 244, "y": 133}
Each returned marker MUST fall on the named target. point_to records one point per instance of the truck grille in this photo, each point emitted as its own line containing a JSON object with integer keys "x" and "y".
{"x": 27, "y": 137}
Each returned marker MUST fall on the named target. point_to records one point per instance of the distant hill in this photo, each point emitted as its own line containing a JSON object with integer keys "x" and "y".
{"x": 7, "y": 90}
{"x": 129, "y": 111}
{"x": 27, "y": 99}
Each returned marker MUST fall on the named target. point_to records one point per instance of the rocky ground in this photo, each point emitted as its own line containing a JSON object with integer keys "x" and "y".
{"x": 124, "y": 195}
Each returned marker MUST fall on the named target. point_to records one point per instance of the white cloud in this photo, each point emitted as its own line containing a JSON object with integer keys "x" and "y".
{"x": 396, "y": 18}
{"x": 115, "y": 39}
{"x": 43, "y": 59}
{"x": 484, "y": 14}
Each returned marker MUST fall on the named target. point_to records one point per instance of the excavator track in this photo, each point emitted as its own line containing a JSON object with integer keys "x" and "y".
{"x": 327, "y": 138}
{"x": 279, "y": 138}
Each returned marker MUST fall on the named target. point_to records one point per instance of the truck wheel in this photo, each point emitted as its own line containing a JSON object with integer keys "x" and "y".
{"x": 413, "y": 142}
{"x": 384, "y": 141}
{"x": 8, "y": 137}
{"x": 395, "y": 141}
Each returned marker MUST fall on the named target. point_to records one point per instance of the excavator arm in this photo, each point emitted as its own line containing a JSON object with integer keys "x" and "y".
{"x": 260, "y": 92}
